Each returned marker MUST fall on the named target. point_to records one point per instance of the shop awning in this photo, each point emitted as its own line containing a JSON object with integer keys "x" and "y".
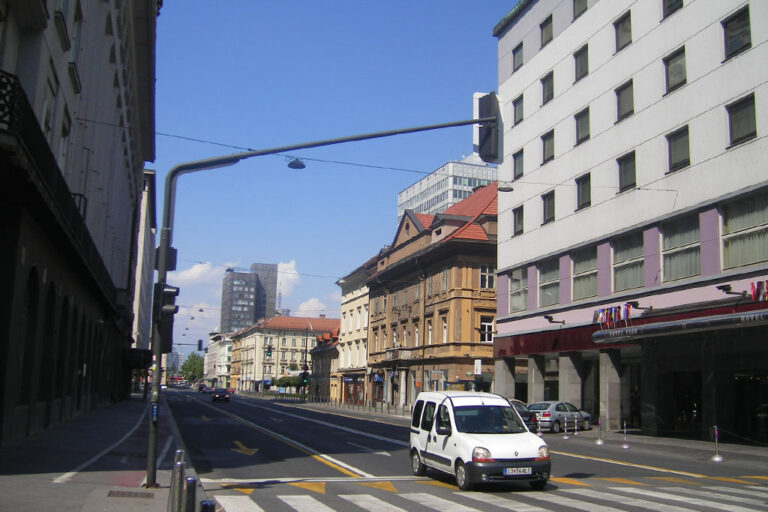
{"x": 684, "y": 326}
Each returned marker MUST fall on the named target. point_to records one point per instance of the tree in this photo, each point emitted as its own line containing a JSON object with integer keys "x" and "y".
{"x": 193, "y": 367}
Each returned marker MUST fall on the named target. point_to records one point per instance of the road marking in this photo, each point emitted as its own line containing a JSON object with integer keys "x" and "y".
{"x": 500, "y": 502}
{"x": 383, "y": 486}
{"x": 756, "y": 477}
{"x": 238, "y": 504}
{"x": 689, "y": 500}
{"x": 232, "y": 482}
{"x": 625, "y": 481}
{"x": 729, "y": 479}
{"x": 305, "y": 504}
{"x": 369, "y": 450}
{"x": 706, "y": 494}
{"x": 674, "y": 479}
{"x": 370, "y": 503}
{"x": 205, "y": 418}
{"x": 552, "y": 498}
{"x": 630, "y": 464}
{"x": 325, "y": 459}
{"x": 241, "y": 448}
{"x": 68, "y": 475}
{"x": 318, "y": 487}
{"x": 626, "y": 500}
{"x": 569, "y": 481}
{"x": 438, "y": 483}
{"x": 761, "y": 492}
{"x": 436, "y": 503}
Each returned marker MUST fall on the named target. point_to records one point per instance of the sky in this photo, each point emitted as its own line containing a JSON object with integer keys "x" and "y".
{"x": 257, "y": 74}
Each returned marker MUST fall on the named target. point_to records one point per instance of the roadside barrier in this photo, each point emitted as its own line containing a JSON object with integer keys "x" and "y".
{"x": 190, "y": 493}
{"x": 599, "y": 441}
{"x": 565, "y": 428}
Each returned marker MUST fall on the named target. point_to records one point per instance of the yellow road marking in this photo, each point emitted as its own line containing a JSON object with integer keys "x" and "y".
{"x": 674, "y": 479}
{"x": 384, "y": 486}
{"x": 756, "y": 477}
{"x": 438, "y": 483}
{"x": 318, "y": 487}
{"x": 630, "y": 464}
{"x": 622, "y": 481}
{"x": 570, "y": 481}
{"x": 244, "y": 491}
{"x": 335, "y": 466}
{"x": 205, "y": 418}
{"x": 728, "y": 479}
{"x": 241, "y": 448}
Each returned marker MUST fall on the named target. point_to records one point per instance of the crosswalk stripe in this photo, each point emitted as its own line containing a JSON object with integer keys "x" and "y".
{"x": 238, "y": 504}
{"x": 304, "y": 503}
{"x": 555, "y": 499}
{"x": 761, "y": 492}
{"x": 686, "y": 499}
{"x": 436, "y": 503}
{"x": 627, "y": 500}
{"x": 716, "y": 495}
{"x": 370, "y": 503}
{"x": 505, "y": 503}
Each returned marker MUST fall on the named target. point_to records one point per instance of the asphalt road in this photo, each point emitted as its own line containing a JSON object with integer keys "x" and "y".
{"x": 252, "y": 454}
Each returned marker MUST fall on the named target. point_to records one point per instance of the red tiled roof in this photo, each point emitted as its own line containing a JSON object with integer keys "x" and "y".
{"x": 483, "y": 202}
{"x": 299, "y": 323}
{"x": 426, "y": 220}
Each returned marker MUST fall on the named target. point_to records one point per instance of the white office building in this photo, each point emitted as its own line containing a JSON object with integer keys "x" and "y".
{"x": 633, "y": 248}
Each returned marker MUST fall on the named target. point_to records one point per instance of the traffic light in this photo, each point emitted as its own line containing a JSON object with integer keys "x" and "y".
{"x": 489, "y": 142}
{"x": 269, "y": 351}
{"x": 164, "y": 308}
{"x": 304, "y": 378}
{"x": 199, "y": 345}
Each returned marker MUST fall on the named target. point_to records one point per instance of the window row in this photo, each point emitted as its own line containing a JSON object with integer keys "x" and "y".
{"x": 742, "y": 127}
{"x": 743, "y": 225}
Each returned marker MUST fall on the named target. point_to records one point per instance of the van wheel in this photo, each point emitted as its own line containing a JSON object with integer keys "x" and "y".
{"x": 556, "y": 427}
{"x": 418, "y": 468}
{"x": 462, "y": 478}
{"x": 538, "y": 485}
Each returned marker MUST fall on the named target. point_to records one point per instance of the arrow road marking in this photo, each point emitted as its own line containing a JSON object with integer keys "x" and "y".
{"x": 241, "y": 448}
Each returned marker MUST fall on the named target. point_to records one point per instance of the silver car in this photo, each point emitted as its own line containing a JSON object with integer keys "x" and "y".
{"x": 556, "y": 415}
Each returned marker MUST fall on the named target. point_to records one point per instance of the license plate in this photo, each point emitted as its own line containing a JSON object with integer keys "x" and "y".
{"x": 517, "y": 471}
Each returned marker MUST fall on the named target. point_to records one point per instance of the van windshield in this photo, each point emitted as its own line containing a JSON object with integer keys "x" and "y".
{"x": 485, "y": 419}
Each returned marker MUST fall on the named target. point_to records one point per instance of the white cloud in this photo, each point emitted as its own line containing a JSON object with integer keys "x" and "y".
{"x": 311, "y": 308}
{"x": 288, "y": 278}
{"x": 199, "y": 273}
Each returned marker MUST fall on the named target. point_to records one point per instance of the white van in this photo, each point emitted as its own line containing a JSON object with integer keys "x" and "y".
{"x": 479, "y": 437}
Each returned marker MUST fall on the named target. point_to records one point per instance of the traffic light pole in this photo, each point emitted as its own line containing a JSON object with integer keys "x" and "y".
{"x": 166, "y": 259}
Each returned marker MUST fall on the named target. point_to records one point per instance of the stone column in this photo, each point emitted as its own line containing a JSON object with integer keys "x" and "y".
{"x": 504, "y": 377}
{"x": 403, "y": 388}
{"x": 535, "y": 378}
{"x": 610, "y": 389}
{"x": 569, "y": 380}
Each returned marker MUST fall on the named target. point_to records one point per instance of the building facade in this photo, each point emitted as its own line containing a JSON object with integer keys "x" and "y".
{"x": 248, "y": 296}
{"x": 433, "y": 303}
{"x": 76, "y": 128}
{"x": 446, "y": 186}
{"x": 633, "y": 244}
{"x": 353, "y": 335}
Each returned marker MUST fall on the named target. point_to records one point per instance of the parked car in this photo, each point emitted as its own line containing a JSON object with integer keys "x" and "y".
{"x": 529, "y": 417}
{"x": 553, "y": 416}
{"x": 201, "y": 388}
{"x": 478, "y": 437}
{"x": 219, "y": 394}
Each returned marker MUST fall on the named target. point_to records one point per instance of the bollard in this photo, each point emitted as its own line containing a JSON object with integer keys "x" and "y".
{"x": 575, "y": 425}
{"x": 565, "y": 428}
{"x": 716, "y": 457}
{"x": 190, "y": 492}
{"x": 626, "y": 444}
{"x": 538, "y": 426}
{"x": 175, "y": 492}
{"x": 207, "y": 506}
{"x": 599, "y": 440}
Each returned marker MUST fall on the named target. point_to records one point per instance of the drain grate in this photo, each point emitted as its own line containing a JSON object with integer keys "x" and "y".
{"x": 130, "y": 494}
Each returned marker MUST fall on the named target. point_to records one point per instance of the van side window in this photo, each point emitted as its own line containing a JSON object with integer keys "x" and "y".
{"x": 443, "y": 419}
{"x": 417, "y": 413}
{"x": 429, "y": 416}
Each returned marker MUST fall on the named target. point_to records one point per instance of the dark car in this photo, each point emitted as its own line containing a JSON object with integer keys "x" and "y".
{"x": 201, "y": 388}
{"x": 529, "y": 417}
{"x": 219, "y": 394}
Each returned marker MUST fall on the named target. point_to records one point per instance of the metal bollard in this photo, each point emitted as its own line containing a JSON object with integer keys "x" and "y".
{"x": 565, "y": 428}
{"x": 716, "y": 457}
{"x": 575, "y": 425}
{"x": 175, "y": 492}
{"x": 190, "y": 492}
{"x": 207, "y": 506}
{"x": 599, "y": 439}
{"x": 625, "y": 445}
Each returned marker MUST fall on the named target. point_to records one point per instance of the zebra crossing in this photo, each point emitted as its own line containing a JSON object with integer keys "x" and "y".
{"x": 611, "y": 498}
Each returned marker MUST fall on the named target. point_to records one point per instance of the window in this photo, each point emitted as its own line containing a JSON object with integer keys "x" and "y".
{"x": 517, "y": 106}
{"x": 677, "y": 145}
{"x": 581, "y": 63}
{"x": 429, "y": 332}
{"x": 674, "y": 67}
{"x": 584, "y": 272}
{"x": 444, "y": 280}
{"x": 518, "y": 290}
{"x": 445, "y": 330}
{"x": 487, "y": 276}
{"x": 628, "y": 262}
{"x": 547, "y": 88}
{"x": 546, "y": 31}
{"x": 429, "y": 286}
{"x": 547, "y": 147}
{"x": 549, "y": 282}
{"x": 680, "y": 249}
{"x": 486, "y": 328}
{"x": 745, "y": 231}
{"x": 517, "y": 57}
{"x": 548, "y": 205}
{"x": 625, "y": 103}
{"x": 416, "y": 339}
{"x": 582, "y": 126}
{"x": 671, "y": 6}
{"x": 583, "y": 191}
{"x": 517, "y": 221}
{"x": 741, "y": 120}
{"x": 737, "y": 34}
{"x": 579, "y": 6}
{"x": 623, "y": 29}
{"x": 517, "y": 160}
{"x": 626, "y": 172}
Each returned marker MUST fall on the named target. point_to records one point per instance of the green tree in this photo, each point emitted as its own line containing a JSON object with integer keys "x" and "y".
{"x": 193, "y": 367}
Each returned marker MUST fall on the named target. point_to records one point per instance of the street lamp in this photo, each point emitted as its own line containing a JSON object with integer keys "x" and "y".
{"x": 166, "y": 257}
{"x": 305, "y": 368}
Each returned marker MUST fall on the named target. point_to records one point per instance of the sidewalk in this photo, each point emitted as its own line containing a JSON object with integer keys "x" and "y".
{"x": 95, "y": 462}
